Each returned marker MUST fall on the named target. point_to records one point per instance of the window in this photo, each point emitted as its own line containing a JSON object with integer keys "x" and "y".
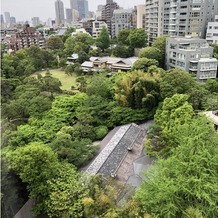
{"x": 173, "y": 46}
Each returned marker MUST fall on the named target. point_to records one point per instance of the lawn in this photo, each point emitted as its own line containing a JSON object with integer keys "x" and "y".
{"x": 66, "y": 81}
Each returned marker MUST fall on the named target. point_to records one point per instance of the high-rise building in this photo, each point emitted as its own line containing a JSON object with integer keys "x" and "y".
{"x": 35, "y": 21}
{"x": 122, "y": 19}
{"x": 100, "y": 7}
{"x": 81, "y": 6}
{"x": 12, "y": 21}
{"x": 2, "y": 19}
{"x": 69, "y": 15}
{"x": 178, "y": 17}
{"x": 74, "y": 4}
{"x": 99, "y": 11}
{"x": 59, "y": 9}
{"x": 107, "y": 13}
{"x": 212, "y": 31}
{"x": 7, "y": 18}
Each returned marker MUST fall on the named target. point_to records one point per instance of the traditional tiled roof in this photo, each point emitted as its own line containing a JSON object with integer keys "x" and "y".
{"x": 87, "y": 64}
{"x": 106, "y": 152}
{"x": 111, "y": 157}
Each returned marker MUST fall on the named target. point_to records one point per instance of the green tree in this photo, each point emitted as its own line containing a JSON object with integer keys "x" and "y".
{"x": 79, "y": 43}
{"x": 173, "y": 112}
{"x": 66, "y": 192}
{"x": 54, "y": 43}
{"x": 69, "y": 70}
{"x": 123, "y": 51}
{"x": 215, "y": 51}
{"x": 103, "y": 40}
{"x": 50, "y": 84}
{"x": 7, "y": 67}
{"x": 144, "y": 64}
{"x": 68, "y": 33}
{"x": 137, "y": 90}
{"x": 100, "y": 85}
{"x": 35, "y": 57}
{"x": 176, "y": 81}
{"x": 35, "y": 164}
{"x": 212, "y": 85}
{"x": 152, "y": 53}
{"x": 137, "y": 38}
{"x": 123, "y": 36}
{"x": 184, "y": 185}
{"x": 160, "y": 43}
{"x": 83, "y": 56}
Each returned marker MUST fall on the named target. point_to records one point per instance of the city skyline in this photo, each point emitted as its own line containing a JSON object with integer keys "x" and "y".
{"x": 24, "y": 10}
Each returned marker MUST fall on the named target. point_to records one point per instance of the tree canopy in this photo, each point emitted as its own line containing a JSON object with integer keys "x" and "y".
{"x": 184, "y": 185}
{"x": 144, "y": 64}
{"x": 55, "y": 42}
{"x": 137, "y": 38}
{"x": 103, "y": 40}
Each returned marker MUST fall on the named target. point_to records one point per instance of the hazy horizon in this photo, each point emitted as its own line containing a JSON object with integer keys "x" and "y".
{"x": 24, "y": 10}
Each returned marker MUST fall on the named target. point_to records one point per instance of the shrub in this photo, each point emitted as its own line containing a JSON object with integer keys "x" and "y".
{"x": 101, "y": 131}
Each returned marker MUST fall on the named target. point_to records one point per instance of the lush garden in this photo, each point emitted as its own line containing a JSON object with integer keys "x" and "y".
{"x": 46, "y": 127}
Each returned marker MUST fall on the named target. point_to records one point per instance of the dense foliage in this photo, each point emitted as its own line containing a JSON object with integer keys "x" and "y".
{"x": 184, "y": 185}
{"x": 47, "y": 134}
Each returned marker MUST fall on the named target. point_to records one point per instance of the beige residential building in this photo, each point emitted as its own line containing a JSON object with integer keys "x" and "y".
{"x": 140, "y": 16}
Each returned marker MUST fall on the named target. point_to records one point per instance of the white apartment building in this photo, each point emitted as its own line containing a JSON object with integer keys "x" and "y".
{"x": 193, "y": 55}
{"x": 154, "y": 19}
{"x": 122, "y": 19}
{"x": 212, "y": 31}
{"x": 97, "y": 26}
{"x": 178, "y": 17}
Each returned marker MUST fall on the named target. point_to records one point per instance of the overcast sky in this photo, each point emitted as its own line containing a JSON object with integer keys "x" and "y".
{"x": 26, "y": 9}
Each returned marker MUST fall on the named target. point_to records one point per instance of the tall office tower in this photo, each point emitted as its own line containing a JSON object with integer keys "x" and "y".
{"x": 122, "y": 19}
{"x": 7, "y": 18}
{"x": 35, "y": 21}
{"x": 83, "y": 8}
{"x": 107, "y": 13}
{"x": 59, "y": 9}
{"x": 12, "y": 21}
{"x": 2, "y": 19}
{"x": 178, "y": 17}
{"x": 74, "y": 4}
{"x": 69, "y": 15}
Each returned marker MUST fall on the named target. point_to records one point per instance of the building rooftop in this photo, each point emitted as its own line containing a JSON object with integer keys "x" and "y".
{"x": 119, "y": 11}
{"x": 208, "y": 60}
{"x": 212, "y": 115}
{"x": 87, "y": 64}
{"x": 187, "y": 39}
{"x": 117, "y": 157}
